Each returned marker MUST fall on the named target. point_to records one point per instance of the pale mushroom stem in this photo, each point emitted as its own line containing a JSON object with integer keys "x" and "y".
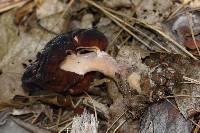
{"x": 95, "y": 61}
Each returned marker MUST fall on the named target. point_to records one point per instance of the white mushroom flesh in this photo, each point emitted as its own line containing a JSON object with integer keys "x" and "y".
{"x": 94, "y": 61}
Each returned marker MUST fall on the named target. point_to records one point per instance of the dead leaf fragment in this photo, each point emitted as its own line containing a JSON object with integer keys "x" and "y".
{"x": 164, "y": 117}
{"x": 154, "y": 11}
{"x": 16, "y": 52}
{"x": 86, "y": 21}
{"x": 48, "y": 8}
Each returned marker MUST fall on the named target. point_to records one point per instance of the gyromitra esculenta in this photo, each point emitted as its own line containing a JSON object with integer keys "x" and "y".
{"x": 68, "y": 61}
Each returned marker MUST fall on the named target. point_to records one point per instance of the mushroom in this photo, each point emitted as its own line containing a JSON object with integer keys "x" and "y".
{"x": 68, "y": 61}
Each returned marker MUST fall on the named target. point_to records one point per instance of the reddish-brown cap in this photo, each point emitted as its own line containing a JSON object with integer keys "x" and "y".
{"x": 91, "y": 38}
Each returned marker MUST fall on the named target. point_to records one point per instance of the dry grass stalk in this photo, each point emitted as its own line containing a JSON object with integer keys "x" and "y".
{"x": 191, "y": 81}
{"x": 186, "y": 96}
{"x": 140, "y": 32}
{"x": 113, "y": 40}
{"x": 188, "y": 10}
{"x": 58, "y": 120}
{"x": 116, "y": 20}
{"x": 116, "y": 121}
{"x": 194, "y": 123}
{"x": 142, "y": 23}
{"x": 196, "y": 130}
{"x": 119, "y": 126}
{"x": 178, "y": 9}
{"x": 66, "y": 126}
{"x": 95, "y": 111}
{"x": 61, "y": 123}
